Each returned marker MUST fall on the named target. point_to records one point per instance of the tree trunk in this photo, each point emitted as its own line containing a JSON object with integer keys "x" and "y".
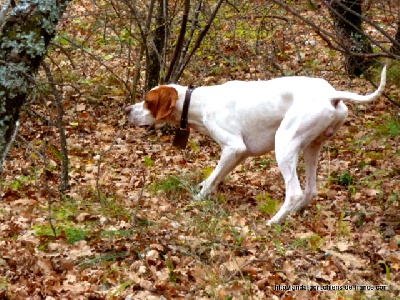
{"x": 348, "y": 27}
{"x": 395, "y": 49}
{"x": 24, "y": 38}
{"x": 154, "y": 58}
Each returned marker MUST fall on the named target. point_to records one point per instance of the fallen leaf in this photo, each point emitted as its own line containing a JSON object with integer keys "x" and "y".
{"x": 348, "y": 259}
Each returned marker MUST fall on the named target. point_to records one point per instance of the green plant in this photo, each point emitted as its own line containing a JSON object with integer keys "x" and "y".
{"x": 238, "y": 237}
{"x": 72, "y": 235}
{"x": 342, "y": 227}
{"x": 111, "y": 207}
{"x": 3, "y": 280}
{"x": 174, "y": 187}
{"x": 210, "y": 219}
{"x": 310, "y": 243}
{"x": 122, "y": 287}
{"x": 148, "y": 161}
{"x": 280, "y": 250}
{"x": 315, "y": 242}
{"x": 66, "y": 210}
{"x": 110, "y": 234}
{"x": 389, "y": 126}
{"x": 393, "y": 198}
{"x": 173, "y": 277}
{"x": 280, "y": 228}
{"x": 345, "y": 179}
{"x": 262, "y": 163}
{"x": 168, "y": 185}
{"x": 299, "y": 243}
{"x": 194, "y": 147}
{"x": 18, "y": 182}
{"x": 207, "y": 172}
{"x": 267, "y": 206}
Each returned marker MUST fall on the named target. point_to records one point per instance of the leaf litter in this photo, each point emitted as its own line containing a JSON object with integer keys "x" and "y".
{"x": 128, "y": 228}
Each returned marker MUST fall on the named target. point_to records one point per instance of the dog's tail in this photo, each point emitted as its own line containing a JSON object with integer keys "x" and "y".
{"x": 342, "y": 95}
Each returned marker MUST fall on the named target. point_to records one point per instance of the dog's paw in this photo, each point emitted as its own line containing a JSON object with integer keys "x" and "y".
{"x": 197, "y": 197}
{"x": 275, "y": 221}
{"x": 270, "y": 223}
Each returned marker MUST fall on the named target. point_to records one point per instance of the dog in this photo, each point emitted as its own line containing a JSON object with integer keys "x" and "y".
{"x": 250, "y": 118}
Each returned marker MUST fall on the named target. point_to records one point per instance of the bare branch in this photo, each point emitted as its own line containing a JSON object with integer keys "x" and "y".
{"x": 64, "y": 184}
{"x": 202, "y": 34}
{"x": 139, "y": 201}
{"x": 366, "y": 20}
{"x": 179, "y": 43}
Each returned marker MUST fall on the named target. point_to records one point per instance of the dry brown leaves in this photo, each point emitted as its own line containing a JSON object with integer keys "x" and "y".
{"x": 128, "y": 228}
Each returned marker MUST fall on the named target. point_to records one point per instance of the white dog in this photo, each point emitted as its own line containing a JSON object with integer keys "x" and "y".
{"x": 288, "y": 115}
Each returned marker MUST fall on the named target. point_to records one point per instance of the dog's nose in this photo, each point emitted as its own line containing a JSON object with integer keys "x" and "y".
{"x": 128, "y": 109}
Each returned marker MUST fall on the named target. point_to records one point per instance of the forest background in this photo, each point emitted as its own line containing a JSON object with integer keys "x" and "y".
{"x": 92, "y": 208}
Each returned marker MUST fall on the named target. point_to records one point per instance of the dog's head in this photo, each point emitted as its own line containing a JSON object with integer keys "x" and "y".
{"x": 158, "y": 105}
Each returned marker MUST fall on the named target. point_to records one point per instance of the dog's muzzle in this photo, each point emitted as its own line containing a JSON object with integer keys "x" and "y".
{"x": 128, "y": 109}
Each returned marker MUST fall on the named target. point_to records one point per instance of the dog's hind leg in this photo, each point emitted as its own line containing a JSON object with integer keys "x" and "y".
{"x": 287, "y": 163}
{"x": 311, "y": 153}
{"x": 297, "y": 131}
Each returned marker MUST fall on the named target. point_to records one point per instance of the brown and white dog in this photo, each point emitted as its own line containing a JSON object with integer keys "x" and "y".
{"x": 289, "y": 115}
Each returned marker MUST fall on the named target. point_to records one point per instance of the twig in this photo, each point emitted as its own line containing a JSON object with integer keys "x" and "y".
{"x": 247, "y": 263}
{"x": 66, "y": 53}
{"x": 34, "y": 114}
{"x": 233, "y": 5}
{"x": 47, "y": 190}
{"x": 4, "y": 154}
{"x": 28, "y": 143}
{"x": 139, "y": 201}
{"x": 195, "y": 23}
{"x": 332, "y": 41}
{"x": 143, "y": 48}
{"x": 98, "y": 170}
{"x": 64, "y": 184}
{"x": 179, "y": 43}
{"x": 94, "y": 57}
{"x": 197, "y": 43}
{"x": 366, "y": 20}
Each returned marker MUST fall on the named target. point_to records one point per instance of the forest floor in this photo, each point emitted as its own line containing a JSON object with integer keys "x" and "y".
{"x": 128, "y": 227}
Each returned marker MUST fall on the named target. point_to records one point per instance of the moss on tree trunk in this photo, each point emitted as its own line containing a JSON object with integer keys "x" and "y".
{"x": 25, "y": 35}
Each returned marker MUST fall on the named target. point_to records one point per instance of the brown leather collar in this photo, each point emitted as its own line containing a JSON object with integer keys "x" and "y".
{"x": 182, "y": 133}
{"x": 185, "y": 109}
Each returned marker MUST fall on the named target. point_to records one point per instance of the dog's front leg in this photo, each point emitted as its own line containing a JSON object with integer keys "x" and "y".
{"x": 231, "y": 156}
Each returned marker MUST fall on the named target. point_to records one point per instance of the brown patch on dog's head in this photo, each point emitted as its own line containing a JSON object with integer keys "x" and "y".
{"x": 161, "y": 101}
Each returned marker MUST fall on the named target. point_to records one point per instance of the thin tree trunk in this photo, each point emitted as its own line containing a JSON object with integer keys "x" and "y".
{"x": 64, "y": 182}
{"x": 154, "y": 58}
{"x": 348, "y": 27}
{"x": 179, "y": 44}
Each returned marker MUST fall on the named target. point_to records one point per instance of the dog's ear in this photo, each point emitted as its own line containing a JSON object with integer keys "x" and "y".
{"x": 161, "y": 101}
